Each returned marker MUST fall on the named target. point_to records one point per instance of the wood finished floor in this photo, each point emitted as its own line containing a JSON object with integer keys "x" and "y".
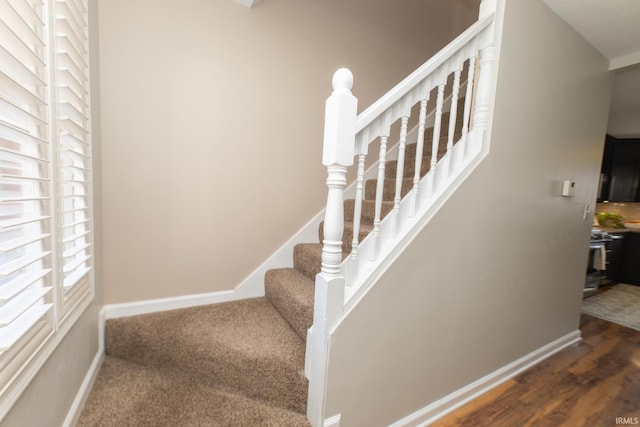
{"x": 588, "y": 384}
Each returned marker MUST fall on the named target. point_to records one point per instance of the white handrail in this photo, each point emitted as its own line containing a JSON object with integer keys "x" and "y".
{"x": 419, "y": 75}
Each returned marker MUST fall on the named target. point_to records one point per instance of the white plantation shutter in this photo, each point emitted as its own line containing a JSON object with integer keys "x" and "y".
{"x": 25, "y": 172}
{"x": 45, "y": 182}
{"x": 74, "y": 162}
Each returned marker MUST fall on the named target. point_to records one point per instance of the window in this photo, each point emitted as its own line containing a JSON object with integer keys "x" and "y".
{"x": 45, "y": 182}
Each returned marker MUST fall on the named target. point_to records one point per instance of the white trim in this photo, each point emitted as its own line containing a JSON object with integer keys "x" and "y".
{"x": 134, "y": 308}
{"x": 447, "y": 404}
{"x": 85, "y": 388}
{"x": 624, "y": 61}
{"x": 332, "y": 421}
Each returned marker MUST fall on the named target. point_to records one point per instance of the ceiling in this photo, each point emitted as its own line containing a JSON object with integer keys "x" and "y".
{"x": 613, "y": 28}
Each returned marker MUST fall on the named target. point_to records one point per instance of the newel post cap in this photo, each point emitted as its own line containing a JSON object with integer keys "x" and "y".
{"x": 342, "y": 80}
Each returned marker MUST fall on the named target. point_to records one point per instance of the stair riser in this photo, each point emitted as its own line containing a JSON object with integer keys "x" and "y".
{"x": 291, "y": 294}
{"x": 309, "y": 263}
{"x": 367, "y": 211}
{"x": 389, "y": 188}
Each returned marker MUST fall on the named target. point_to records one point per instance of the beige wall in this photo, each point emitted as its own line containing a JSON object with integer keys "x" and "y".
{"x": 624, "y": 116}
{"x": 499, "y": 271}
{"x": 212, "y": 125}
{"x": 48, "y": 398}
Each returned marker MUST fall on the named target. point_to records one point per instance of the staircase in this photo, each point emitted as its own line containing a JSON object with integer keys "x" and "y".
{"x": 238, "y": 363}
{"x": 264, "y": 361}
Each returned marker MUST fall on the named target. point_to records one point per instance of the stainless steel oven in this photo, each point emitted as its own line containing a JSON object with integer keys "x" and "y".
{"x": 597, "y": 264}
{"x": 600, "y": 247}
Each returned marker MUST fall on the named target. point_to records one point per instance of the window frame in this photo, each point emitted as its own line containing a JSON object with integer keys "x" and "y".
{"x": 22, "y": 360}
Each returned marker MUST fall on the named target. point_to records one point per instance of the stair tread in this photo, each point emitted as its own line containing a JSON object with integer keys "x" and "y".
{"x": 244, "y": 346}
{"x": 126, "y": 393}
{"x": 367, "y": 209}
{"x": 291, "y": 293}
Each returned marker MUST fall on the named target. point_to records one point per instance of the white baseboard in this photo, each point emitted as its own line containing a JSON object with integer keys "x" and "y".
{"x": 447, "y": 404}
{"x": 332, "y": 421}
{"x": 85, "y": 388}
{"x": 135, "y": 308}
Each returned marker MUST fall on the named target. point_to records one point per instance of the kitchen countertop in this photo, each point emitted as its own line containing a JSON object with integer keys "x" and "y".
{"x": 616, "y": 230}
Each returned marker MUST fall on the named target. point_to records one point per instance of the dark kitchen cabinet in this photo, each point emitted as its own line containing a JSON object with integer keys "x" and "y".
{"x": 630, "y": 272}
{"x": 615, "y": 257}
{"x": 620, "y": 174}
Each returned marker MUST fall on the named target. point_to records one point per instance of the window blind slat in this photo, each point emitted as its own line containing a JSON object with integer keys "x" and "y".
{"x": 76, "y": 67}
{"x": 66, "y": 80}
{"x": 67, "y": 95}
{"x": 10, "y": 223}
{"x": 14, "y": 287}
{"x": 74, "y": 114}
{"x": 18, "y": 264}
{"x": 26, "y": 73}
{"x": 70, "y": 53}
{"x": 14, "y": 90}
{"x": 22, "y": 199}
{"x": 66, "y": 11}
{"x": 74, "y": 224}
{"x": 73, "y": 278}
{"x": 74, "y": 34}
{"x": 13, "y": 134}
{"x": 66, "y": 44}
{"x": 31, "y": 11}
{"x": 75, "y": 250}
{"x": 72, "y": 265}
{"x": 75, "y": 236}
{"x": 10, "y": 335}
{"x": 20, "y": 304}
{"x": 22, "y": 156}
{"x": 73, "y": 127}
{"x": 21, "y": 50}
{"x": 23, "y": 178}
{"x": 23, "y": 21}
{"x": 20, "y": 242}
{"x": 18, "y": 115}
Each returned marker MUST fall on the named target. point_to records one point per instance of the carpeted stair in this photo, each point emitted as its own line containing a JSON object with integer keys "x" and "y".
{"x": 238, "y": 363}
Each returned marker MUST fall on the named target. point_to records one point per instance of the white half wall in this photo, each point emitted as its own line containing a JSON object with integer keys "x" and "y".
{"x": 498, "y": 272}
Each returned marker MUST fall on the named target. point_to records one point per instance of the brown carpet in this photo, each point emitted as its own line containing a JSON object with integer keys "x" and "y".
{"x": 238, "y": 363}
{"x": 127, "y": 394}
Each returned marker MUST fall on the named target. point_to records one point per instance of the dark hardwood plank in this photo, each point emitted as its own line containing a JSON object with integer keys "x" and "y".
{"x": 588, "y": 384}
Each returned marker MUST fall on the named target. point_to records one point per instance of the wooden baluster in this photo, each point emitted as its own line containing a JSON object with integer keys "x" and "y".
{"x": 379, "y": 196}
{"x": 453, "y": 116}
{"x": 436, "y": 140}
{"x": 404, "y": 121}
{"x": 338, "y": 153}
{"x": 357, "y": 214}
{"x": 467, "y": 107}
{"x": 422, "y": 120}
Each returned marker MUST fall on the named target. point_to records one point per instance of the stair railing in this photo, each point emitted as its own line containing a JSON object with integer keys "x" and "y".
{"x": 348, "y": 136}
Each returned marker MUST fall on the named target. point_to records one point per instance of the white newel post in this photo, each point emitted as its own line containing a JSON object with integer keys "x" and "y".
{"x": 338, "y": 153}
{"x": 484, "y": 93}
